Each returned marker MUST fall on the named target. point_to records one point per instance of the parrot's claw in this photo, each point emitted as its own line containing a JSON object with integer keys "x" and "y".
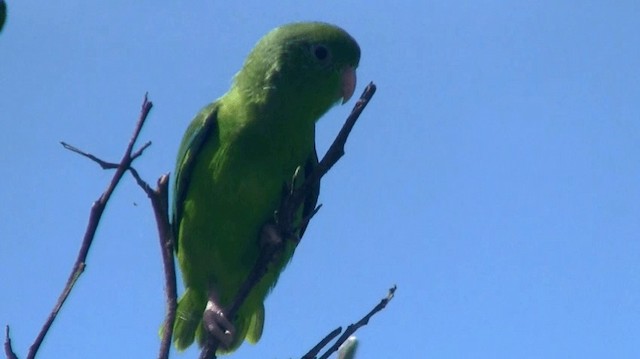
{"x": 297, "y": 179}
{"x": 216, "y": 323}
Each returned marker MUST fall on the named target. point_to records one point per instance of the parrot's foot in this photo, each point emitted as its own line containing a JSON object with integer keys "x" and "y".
{"x": 216, "y": 323}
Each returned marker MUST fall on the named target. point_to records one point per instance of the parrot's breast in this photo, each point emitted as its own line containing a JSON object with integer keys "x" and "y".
{"x": 239, "y": 190}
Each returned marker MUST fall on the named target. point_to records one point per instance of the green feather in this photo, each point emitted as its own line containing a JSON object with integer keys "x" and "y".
{"x": 235, "y": 158}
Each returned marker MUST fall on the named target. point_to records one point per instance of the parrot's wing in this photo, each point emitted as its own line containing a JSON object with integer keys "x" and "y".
{"x": 310, "y": 202}
{"x": 202, "y": 128}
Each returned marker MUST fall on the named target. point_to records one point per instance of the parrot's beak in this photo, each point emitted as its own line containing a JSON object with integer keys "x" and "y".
{"x": 348, "y": 80}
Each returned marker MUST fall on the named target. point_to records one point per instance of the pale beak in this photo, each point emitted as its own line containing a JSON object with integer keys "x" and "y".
{"x": 348, "y": 82}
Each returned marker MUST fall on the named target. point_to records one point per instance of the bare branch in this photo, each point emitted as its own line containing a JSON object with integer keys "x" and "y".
{"x": 104, "y": 164}
{"x": 287, "y": 212}
{"x": 97, "y": 209}
{"x": 160, "y": 203}
{"x": 323, "y": 343}
{"x": 359, "y": 324}
{"x": 290, "y": 205}
{"x": 139, "y": 152}
{"x": 8, "y": 351}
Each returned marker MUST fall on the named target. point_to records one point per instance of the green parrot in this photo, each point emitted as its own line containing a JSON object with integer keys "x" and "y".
{"x": 236, "y": 157}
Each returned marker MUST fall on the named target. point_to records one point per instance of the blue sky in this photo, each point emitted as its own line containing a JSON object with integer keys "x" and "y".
{"x": 495, "y": 176}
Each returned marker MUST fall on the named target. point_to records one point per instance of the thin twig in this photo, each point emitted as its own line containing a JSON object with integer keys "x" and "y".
{"x": 286, "y": 214}
{"x": 104, "y": 164}
{"x": 97, "y": 209}
{"x": 334, "y": 153}
{"x": 160, "y": 203}
{"x": 359, "y": 324}
{"x": 323, "y": 343}
{"x": 8, "y": 351}
{"x": 140, "y": 150}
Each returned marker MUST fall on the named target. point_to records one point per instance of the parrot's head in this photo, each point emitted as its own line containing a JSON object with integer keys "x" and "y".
{"x": 303, "y": 67}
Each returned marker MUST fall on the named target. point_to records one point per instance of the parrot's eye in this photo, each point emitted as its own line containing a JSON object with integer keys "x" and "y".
{"x": 321, "y": 52}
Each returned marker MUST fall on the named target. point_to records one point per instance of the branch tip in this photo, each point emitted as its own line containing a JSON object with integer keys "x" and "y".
{"x": 352, "y": 328}
{"x": 95, "y": 215}
{"x": 8, "y": 350}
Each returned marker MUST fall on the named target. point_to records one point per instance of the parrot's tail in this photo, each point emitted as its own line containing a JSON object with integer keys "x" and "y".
{"x": 188, "y": 318}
